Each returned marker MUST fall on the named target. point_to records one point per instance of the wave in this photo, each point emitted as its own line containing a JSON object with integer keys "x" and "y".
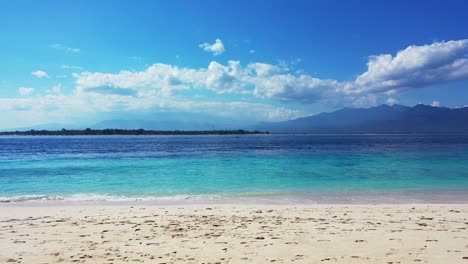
{"x": 87, "y": 197}
{"x": 26, "y": 198}
{"x": 390, "y": 197}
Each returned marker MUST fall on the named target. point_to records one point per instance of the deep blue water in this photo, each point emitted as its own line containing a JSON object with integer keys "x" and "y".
{"x": 232, "y": 166}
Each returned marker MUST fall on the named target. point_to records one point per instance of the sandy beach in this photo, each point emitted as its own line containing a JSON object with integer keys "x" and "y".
{"x": 422, "y": 233}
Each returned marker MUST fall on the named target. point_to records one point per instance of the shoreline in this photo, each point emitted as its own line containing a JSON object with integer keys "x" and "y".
{"x": 374, "y": 197}
{"x": 91, "y": 204}
{"x": 216, "y": 203}
{"x": 230, "y": 233}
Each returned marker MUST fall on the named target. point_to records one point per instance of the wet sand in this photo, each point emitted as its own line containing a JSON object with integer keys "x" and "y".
{"x": 421, "y": 233}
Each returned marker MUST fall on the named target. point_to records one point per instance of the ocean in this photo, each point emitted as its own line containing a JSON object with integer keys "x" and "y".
{"x": 233, "y": 168}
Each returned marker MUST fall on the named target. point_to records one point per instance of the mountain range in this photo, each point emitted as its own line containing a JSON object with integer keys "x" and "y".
{"x": 383, "y": 119}
{"x": 176, "y": 121}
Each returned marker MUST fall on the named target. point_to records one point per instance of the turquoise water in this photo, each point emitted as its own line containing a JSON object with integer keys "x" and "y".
{"x": 308, "y": 167}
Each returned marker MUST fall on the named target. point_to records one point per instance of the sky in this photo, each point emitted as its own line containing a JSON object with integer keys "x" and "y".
{"x": 81, "y": 62}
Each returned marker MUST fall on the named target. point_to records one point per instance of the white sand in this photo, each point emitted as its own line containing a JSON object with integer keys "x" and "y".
{"x": 234, "y": 234}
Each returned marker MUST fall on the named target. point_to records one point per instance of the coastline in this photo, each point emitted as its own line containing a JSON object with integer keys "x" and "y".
{"x": 234, "y": 233}
{"x": 288, "y": 200}
{"x": 343, "y": 198}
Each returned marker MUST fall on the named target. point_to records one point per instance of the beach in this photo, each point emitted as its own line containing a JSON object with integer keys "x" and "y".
{"x": 240, "y": 132}
{"x": 228, "y": 199}
{"x": 240, "y": 233}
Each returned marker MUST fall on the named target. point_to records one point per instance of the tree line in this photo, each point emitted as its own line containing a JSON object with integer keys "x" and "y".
{"x": 126, "y": 132}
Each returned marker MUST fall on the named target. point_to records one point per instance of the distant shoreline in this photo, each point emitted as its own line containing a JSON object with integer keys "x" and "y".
{"x": 216, "y": 133}
{"x": 127, "y": 132}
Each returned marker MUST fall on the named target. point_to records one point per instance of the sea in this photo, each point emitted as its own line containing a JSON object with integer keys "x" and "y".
{"x": 272, "y": 169}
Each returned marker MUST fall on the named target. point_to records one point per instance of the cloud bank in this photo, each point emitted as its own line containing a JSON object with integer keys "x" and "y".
{"x": 412, "y": 68}
{"x": 276, "y": 90}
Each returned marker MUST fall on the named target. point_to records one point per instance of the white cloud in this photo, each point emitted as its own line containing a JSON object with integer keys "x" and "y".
{"x": 252, "y": 51}
{"x": 216, "y": 48}
{"x": 249, "y": 111}
{"x": 264, "y": 69}
{"x": 64, "y": 48}
{"x": 364, "y": 101}
{"x": 415, "y": 67}
{"x": 25, "y": 90}
{"x": 40, "y": 74}
{"x": 392, "y": 101}
{"x": 57, "y": 88}
{"x": 435, "y": 104}
{"x": 288, "y": 87}
{"x": 260, "y": 79}
{"x": 387, "y": 75}
{"x": 82, "y": 103}
{"x": 412, "y": 68}
{"x": 68, "y": 67}
{"x": 166, "y": 78}
{"x": 169, "y": 87}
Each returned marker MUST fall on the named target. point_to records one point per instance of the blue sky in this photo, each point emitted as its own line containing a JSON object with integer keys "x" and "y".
{"x": 84, "y": 61}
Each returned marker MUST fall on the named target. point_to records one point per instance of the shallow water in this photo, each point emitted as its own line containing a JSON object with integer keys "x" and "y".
{"x": 281, "y": 168}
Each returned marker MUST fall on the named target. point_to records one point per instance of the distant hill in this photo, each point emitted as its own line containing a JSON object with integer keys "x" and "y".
{"x": 381, "y": 119}
{"x": 126, "y": 132}
{"x": 157, "y": 124}
{"x": 161, "y": 121}
{"x": 176, "y": 121}
{"x": 50, "y": 126}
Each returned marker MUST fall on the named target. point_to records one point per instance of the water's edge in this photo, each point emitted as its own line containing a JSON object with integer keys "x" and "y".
{"x": 387, "y": 197}
{"x": 299, "y": 169}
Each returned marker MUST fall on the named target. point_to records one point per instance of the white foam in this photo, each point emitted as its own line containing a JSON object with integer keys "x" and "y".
{"x": 30, "y": 198}
{"x": 89, "y": 197}
{"x": 346, "y": 198}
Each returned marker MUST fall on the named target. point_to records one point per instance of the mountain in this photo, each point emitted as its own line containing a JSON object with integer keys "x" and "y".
{"x": 158, "y": 125}
{"x": 160, "y": 121}
{"x": 382, "y": 119}
{"x": 379, "y": 120}
{"x": 176, "y": 121}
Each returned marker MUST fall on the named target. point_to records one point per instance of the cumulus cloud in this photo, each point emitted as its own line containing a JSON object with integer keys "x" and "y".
{"x": 25, "y": 91}
{"x": 167, "y": 78}
{"x": 415, "y": 67}
{"x": 216, "y": 48}
{"x": 264, "y": 69}
{"x": 249, "y": 111}
{"x": 435, "y": 104}
{"x": 168, "y": 87}
{"x": 40, "y": 74}
{"x": 64, "y": 48}
{"x": 412, "y": 68}
{"x": 258, "y": 79}
{"x": 392, "y": 101}
{"x": 87, "y": 103}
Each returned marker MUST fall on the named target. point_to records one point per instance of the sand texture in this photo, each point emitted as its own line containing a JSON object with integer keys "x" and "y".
{"x": 234, "y": 234}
